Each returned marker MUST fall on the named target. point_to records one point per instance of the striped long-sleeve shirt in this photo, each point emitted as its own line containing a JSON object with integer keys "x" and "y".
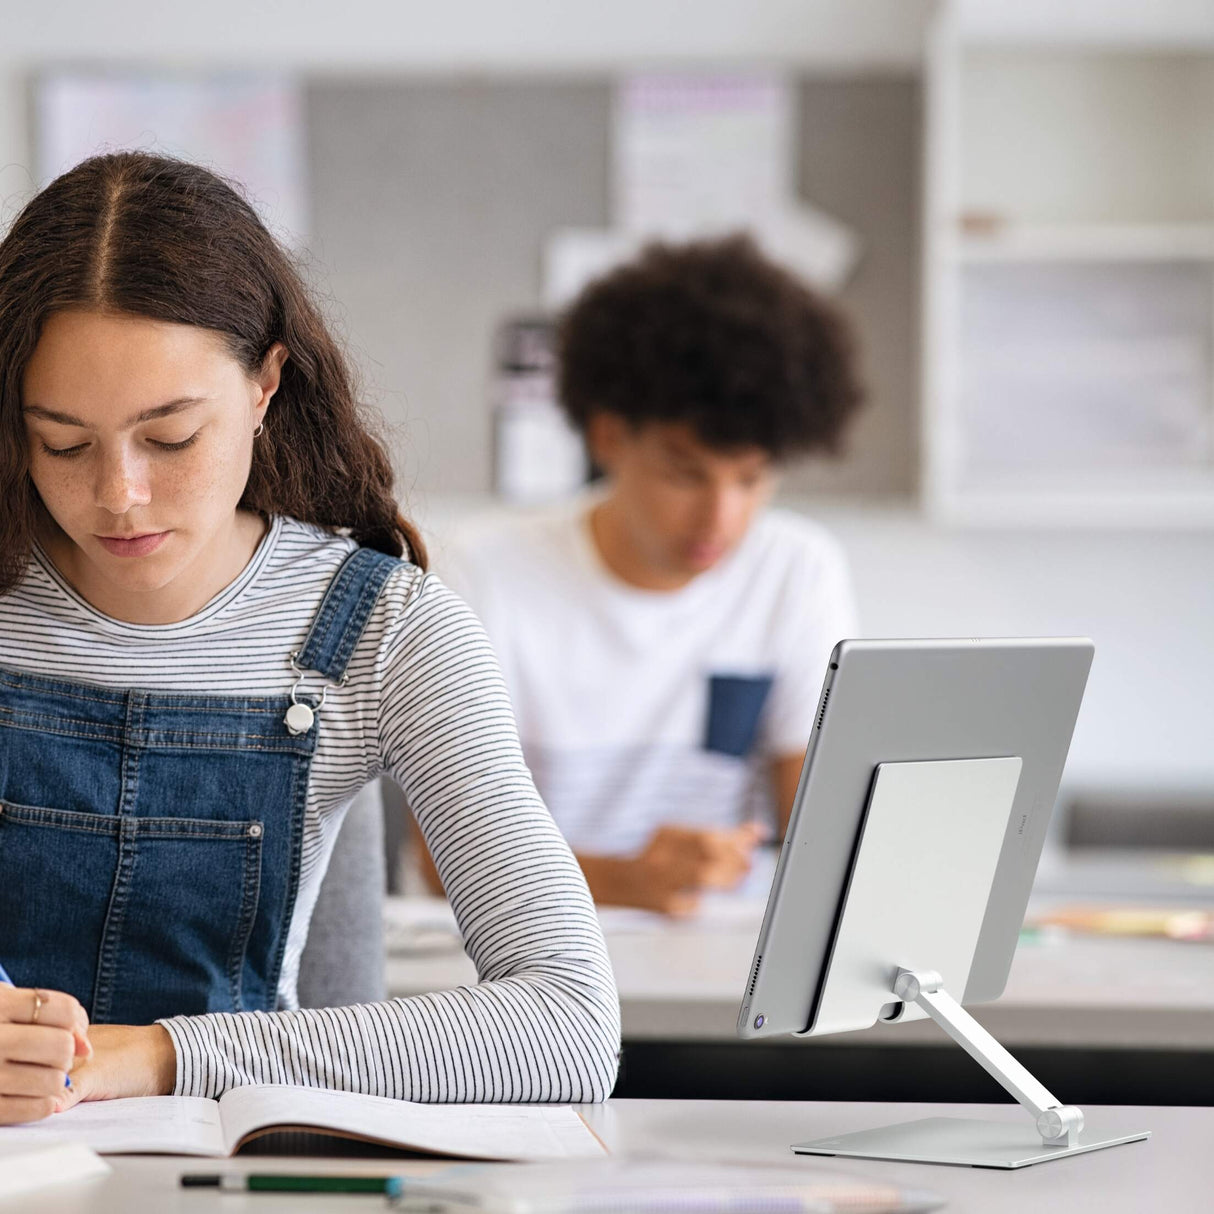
{"x": 424, "y": 702}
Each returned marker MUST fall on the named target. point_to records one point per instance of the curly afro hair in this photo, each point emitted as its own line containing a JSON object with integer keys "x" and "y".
{"x": 714, "y": 335}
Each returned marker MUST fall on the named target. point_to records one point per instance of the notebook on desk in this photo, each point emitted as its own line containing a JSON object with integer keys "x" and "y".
{"x": 190, "y": 1125}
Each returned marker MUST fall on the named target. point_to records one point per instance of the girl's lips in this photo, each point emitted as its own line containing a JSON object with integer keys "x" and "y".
{"x": 139, "y": 545}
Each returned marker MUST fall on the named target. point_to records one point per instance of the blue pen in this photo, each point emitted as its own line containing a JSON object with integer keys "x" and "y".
{"x": 67, "y": 1079}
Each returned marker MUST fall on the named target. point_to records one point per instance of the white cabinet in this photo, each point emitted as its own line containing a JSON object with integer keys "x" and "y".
{"x": 1068, "y": 274}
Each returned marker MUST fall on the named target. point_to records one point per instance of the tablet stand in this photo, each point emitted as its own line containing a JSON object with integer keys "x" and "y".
{"x": 920, "y": 880}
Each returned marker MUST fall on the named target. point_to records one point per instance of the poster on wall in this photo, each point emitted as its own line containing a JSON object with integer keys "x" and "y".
{"x": 246, "y": 127}
{"x": 695, "y": 151}
{"x": 702, "y": 154}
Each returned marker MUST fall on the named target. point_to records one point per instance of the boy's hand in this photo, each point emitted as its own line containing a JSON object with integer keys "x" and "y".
{"x": 675, "y": 867}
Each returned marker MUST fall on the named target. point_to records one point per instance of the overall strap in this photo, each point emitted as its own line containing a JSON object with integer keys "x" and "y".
{"x": 343, "y": 612}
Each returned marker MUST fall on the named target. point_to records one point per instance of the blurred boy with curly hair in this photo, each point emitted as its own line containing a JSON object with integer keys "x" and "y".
{"x": 664, "y": 636}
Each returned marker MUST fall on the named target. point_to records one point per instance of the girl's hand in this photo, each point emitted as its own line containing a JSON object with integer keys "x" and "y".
{"x": 43, "y": 1034}
{"x": 127, "y": 1060}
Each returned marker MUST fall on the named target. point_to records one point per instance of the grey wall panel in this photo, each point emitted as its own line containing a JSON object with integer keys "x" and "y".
{"x": 860, "y": 160}
{"x": 432, "y": 201}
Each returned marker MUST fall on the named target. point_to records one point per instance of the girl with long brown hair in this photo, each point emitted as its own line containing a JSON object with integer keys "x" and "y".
{"x": 215, "y": 628}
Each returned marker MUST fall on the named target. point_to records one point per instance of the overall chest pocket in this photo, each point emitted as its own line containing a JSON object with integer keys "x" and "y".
{"x": 138, "y": 917}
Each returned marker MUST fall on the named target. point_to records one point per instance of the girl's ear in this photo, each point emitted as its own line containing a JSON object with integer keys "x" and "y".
{"x": 269, "y": 377}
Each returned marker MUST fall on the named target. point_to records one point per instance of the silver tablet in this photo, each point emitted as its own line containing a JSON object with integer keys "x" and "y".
{"x": 900, "y": 701}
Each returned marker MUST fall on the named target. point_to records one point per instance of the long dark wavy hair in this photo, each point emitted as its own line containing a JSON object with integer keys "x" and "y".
{"x": 151, "y": 236}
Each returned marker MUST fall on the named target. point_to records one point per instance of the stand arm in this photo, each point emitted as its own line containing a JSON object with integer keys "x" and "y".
{"x": 1058, "y": 1124}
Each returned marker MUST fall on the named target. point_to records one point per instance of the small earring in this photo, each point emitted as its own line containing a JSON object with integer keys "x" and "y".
{"x": 260, "y": 428}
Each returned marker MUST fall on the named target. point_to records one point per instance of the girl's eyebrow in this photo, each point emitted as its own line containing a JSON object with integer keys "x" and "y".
{"x": 66, "y": 419}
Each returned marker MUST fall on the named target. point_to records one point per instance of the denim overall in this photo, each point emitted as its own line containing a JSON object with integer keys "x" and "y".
{"x": 150, "y": 842}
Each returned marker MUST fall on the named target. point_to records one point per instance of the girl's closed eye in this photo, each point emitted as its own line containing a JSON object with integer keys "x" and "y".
{"x": 179, "y": 446}
{"x": 159, "y": 444}
{"x": 64, "y": 452}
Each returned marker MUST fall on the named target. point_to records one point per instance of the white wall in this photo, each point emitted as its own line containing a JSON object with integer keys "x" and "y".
{"x": 562, "y": 35}
{"x": 1146, "y": 599}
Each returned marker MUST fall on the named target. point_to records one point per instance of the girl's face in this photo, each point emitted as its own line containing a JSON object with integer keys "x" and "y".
{"x": 140, "y": 438}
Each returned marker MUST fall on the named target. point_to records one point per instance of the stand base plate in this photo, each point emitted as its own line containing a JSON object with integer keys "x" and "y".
{"x": 958, "y": 1140}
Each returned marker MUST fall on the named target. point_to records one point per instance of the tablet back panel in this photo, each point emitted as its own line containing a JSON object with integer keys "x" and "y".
{"x": 899, "y": 701}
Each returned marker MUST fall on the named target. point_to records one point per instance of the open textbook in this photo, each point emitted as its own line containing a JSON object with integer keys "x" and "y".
{"x": 191, "y": 1125}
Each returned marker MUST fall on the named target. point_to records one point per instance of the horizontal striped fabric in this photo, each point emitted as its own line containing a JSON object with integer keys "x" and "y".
{"x": 425, "y": 703}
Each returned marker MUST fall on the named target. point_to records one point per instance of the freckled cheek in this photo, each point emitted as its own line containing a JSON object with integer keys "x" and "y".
{"x": 203, "y": 479}
{"x": 65, "y": 491}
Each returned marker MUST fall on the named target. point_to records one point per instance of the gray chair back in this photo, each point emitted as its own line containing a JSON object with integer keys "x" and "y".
{"x": 343, "y": 961}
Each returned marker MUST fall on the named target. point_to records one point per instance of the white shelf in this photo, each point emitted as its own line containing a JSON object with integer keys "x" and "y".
{"x": 1083, "y": 168}
{"x": 1171, "y": 510}
{"x": 1096, "y": 242}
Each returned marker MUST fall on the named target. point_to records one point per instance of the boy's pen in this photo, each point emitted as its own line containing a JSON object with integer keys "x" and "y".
{"x": 255, "y": 1182}
{"x": 67, "y": 1079}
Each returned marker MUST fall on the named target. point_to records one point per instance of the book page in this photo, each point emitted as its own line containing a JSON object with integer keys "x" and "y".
{"x": 151, "y": 1125}
{"x": 477, "y": 1131}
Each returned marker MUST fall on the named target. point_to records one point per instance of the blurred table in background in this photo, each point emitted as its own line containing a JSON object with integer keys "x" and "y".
{"x": 1102, "y": 1019}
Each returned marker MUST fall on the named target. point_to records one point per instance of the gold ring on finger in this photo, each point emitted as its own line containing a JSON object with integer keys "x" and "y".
{"x": 38, "y": 1002}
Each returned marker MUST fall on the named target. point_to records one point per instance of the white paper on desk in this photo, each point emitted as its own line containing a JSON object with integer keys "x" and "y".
{"x": 153, "y": 1125}
{"x": 49, "y": 1163}
{"x": 717, "y": 913}
{"x": 635, "y": 1186}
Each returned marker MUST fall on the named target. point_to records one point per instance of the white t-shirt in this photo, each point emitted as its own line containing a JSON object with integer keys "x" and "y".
{"x": 641, "y": 708}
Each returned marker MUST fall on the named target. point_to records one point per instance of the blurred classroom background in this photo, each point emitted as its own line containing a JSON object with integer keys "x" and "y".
{"x": 1015, "y": 203}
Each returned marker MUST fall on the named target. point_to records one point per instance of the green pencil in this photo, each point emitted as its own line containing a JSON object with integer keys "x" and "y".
{"x": 256, "y": 1182}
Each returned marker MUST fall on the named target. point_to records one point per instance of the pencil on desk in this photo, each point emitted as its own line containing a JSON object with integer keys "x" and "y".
{"x": 260, "y": 1182}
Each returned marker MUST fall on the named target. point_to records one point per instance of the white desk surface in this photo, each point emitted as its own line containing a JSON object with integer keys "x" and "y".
{"x": 1174, "y": 1170}
{"x": 683, "y": 981}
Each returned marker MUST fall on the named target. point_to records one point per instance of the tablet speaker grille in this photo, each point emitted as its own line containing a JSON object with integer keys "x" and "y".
{"x": 822, "y": 710}
{"x": 754, "y": 976}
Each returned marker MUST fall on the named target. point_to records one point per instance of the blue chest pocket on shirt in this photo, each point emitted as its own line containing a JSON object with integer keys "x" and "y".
{"x": 735, "y": 705}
